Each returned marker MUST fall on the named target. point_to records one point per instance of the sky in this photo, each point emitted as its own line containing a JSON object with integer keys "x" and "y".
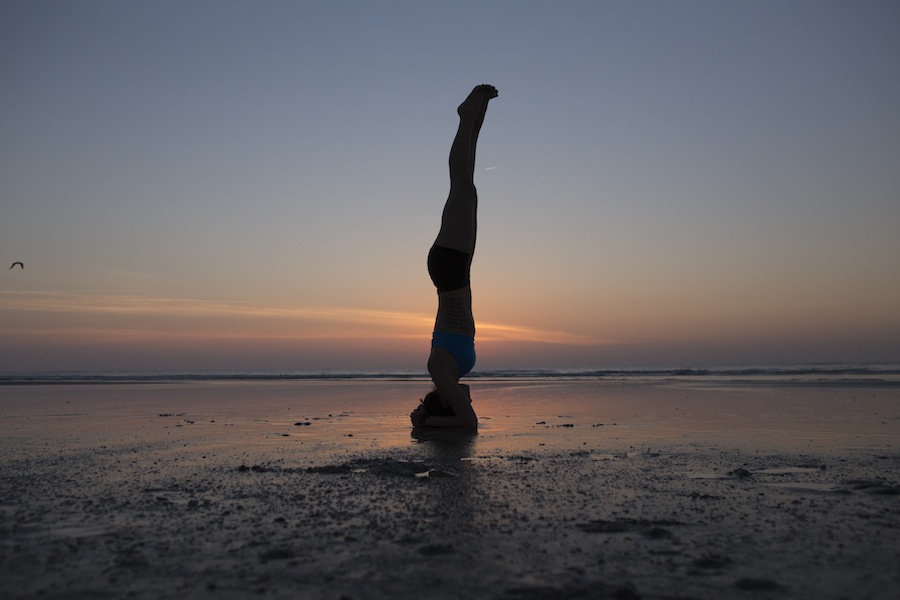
{"x": 253, "y": 186}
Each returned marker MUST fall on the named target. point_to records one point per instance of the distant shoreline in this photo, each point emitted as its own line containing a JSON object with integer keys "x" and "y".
{"x": 827, "y": 374}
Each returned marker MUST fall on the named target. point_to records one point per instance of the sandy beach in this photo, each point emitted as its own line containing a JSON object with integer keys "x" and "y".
{"x": 571, "y": 489}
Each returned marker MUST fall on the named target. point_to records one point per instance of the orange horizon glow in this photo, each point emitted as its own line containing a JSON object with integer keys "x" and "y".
{"x": 132, "y": 318}
{"x": 92, "y": 331}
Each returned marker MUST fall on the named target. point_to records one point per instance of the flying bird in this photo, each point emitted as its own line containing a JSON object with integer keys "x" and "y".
{"x": 16, "y": 263}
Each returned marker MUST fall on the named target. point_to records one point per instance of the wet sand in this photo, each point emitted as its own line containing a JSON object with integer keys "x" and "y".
{"x": 569, "y": 490}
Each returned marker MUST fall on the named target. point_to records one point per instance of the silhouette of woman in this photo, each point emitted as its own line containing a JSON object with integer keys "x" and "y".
{"x": 449, "y": 260}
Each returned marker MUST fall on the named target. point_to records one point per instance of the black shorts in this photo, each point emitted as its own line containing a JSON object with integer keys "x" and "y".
{"x": 448, "y": 268}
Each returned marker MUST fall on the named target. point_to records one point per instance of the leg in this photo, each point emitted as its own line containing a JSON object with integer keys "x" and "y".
{"x": 459, "y": 219}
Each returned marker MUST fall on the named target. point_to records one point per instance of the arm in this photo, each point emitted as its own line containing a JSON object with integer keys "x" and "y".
{"x": 442, "y": 368}
{"x": 459, "y": 400}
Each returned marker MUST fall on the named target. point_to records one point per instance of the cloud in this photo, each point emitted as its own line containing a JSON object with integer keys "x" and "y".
{"x": 132, "y": 317}
{"x": 494, "y": 332}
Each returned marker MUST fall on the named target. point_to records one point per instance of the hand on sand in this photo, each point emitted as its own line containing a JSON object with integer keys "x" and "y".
{"x": 418, "y": 416}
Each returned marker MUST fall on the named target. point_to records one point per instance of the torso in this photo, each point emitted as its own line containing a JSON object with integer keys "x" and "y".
{"x": 454, "y": 314}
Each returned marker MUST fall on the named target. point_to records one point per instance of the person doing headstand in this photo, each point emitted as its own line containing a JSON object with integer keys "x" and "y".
{"x": 449, "y": 261}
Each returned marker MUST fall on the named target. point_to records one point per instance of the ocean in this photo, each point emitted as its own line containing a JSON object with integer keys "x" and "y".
{"x": 870, "y": 373}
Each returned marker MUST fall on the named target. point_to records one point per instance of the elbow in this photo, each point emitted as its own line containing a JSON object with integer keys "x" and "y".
{"x": 469, "y": 421}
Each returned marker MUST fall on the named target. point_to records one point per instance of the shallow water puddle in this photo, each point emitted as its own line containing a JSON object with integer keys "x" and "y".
{"x": 802, "y": 486}
{"x": 743, "y": 473}
{"x": 709, "y": 475}
{"x": 786, "y": 470}
{"x": 603, "y": 457}
{"x": 479, "y": 459}
{"x": 76, "y": 530}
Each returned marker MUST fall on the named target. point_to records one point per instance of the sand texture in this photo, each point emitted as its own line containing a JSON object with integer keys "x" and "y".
{"x": 572, "y": 490}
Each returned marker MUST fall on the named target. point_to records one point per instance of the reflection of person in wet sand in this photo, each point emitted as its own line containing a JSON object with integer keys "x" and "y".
{"x": 449, "y": 260}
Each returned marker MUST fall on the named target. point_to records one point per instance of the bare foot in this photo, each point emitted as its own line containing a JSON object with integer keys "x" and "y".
{"x": 477, "y": 100}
